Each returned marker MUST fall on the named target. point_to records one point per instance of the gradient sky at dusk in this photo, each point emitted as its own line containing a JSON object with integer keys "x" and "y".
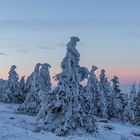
{"x": 33, "y": 31}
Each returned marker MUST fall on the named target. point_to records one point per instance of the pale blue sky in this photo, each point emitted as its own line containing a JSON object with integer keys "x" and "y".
{"x": 33, "y": 31}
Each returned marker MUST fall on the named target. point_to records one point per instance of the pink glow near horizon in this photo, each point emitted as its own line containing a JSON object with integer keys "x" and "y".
{"x": 125, "y": 77}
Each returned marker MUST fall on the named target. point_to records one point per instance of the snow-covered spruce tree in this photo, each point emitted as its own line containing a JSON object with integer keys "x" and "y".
{"x": 106, "y": 99}
{"x": 11, "y": 89}
{"x": 65, "y": 113}
{"x": 129, "y": 113}
{"x": 31, "y": 105}
{"x": 118, "y": 98}
{"x": 93, "y": 92}
{"x": 132, "y": 110}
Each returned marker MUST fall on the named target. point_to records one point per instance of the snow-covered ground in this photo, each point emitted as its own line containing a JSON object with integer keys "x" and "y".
{"x": 19, "y": 127}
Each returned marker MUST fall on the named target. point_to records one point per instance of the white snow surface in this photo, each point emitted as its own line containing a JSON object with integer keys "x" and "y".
{"x": 19, "y": 127}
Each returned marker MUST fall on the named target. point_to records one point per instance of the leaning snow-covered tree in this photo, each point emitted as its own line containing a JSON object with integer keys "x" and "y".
{"x": 45, "y": 89}
{"x": 93, "y": 92}
{"x": 11, "y": 87}
{"x": 32, "y": 103}
{"x": 65, "y": 113}
{"x": 118, "y": 98}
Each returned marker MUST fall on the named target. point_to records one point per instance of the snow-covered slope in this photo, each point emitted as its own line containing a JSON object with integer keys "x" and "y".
{"x": 19, "y": 127}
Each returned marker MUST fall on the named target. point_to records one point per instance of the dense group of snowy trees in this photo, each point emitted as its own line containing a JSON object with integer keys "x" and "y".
{"x": 12, "y": 90}
{"x": 37, "y": 84}
{"x": 70, "y": 106}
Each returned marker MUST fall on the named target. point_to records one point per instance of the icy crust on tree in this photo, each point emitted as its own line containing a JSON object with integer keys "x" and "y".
{"x": 65, "y": 111}
{"x": 38, "y": 84}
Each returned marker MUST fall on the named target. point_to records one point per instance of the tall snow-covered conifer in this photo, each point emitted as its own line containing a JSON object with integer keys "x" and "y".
{"x": 45, "y": 89}
{"x": 65, "y": 113}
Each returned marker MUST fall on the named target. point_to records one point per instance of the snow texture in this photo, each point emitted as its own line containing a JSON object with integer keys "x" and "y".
{"x": 19, "y": 127}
